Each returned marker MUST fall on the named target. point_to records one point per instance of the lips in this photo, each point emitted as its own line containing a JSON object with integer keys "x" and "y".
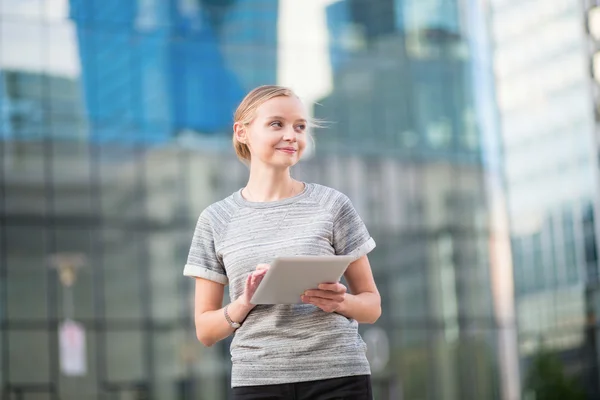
{"x": 289, "y": 150}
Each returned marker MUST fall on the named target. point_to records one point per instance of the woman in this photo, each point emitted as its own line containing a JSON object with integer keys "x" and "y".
{"x": 311, "y": 350}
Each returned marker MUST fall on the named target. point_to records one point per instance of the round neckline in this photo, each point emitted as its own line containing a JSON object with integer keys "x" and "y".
{"x": 241, "y": 200}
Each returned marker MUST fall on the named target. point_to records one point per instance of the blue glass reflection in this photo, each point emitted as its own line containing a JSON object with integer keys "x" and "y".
{"x": 153, "y": 69}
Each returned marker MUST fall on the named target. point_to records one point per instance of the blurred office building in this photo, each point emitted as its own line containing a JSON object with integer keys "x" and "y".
{"x": 161, "y": 62}
{"x": 28, "y": 114}
{"x": 412, "y": 95}
{"x": 97, "y": 216}
{"x": 548, "y": 127}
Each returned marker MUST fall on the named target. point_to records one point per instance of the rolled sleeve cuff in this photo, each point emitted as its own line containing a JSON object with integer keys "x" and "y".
{"x": 203, "y": 272}
{"x": 363, "y": 249}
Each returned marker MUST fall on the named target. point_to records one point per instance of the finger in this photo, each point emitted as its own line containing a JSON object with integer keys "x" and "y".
{"x": 261, "y": 267}
{"x": 256, "y": 280}
{"x": 323, "y": 304}
{"x": 333, "y": 287}
{"x": 248, "y": 284}
{"x": 259, "y": 273}
{"x": 322, "y": 300}
{"x": 324, "y": 294}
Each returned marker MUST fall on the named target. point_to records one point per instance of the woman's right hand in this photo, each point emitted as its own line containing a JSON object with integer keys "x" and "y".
{"x": 252, "y": 282}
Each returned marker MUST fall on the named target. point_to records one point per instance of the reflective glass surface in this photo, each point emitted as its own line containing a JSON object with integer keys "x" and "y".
{"x": 115, "y": 134}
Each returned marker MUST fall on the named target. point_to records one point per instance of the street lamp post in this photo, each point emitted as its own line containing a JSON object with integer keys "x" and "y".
{"x": 72, "y": 343}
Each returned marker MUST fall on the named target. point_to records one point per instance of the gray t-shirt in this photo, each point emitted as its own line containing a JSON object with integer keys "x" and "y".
{"x": 283, "y": 343}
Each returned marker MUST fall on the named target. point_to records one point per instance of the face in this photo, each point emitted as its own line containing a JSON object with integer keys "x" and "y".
{"x": 277, "y": 135}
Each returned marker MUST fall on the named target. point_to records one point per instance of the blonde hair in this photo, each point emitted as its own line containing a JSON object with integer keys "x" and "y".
{"x": 246, "y": 112}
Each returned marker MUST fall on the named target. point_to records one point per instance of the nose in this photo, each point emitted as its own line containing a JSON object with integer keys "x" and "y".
{"x": 289, "y": 135}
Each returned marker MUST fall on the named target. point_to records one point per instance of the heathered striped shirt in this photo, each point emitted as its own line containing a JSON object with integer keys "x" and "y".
{"x": 283, "y": 343}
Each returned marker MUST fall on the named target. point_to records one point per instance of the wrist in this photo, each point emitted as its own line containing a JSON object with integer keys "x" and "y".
{"x": 344, "y": 305}
{"x": 239, "y": 309}
{"x": 244, "y": 305}
{"x": 233, "y": 322}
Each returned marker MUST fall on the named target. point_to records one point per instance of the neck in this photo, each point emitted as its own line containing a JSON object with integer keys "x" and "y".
{"x": 269, "y": 185}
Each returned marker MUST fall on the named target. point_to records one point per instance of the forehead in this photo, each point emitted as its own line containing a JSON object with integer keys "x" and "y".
{"x": 284, "y": 106}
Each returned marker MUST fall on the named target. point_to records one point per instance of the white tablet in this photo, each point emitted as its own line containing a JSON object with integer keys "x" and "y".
{"x": 288, "y": 277}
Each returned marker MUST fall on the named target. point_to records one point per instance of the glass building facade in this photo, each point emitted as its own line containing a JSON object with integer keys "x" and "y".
{"x": 116, "y": 132}
{"x": 548, "y": 127}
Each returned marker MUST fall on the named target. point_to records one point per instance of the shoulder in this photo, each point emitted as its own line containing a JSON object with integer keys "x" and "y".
{"x": 219, "y": 213}
{"x": 329, "y": 198}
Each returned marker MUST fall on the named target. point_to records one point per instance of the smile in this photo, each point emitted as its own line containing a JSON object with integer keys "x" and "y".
{"x": 288, "y": 151}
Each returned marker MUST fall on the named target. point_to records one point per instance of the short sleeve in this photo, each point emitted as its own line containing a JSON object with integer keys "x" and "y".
{"x": 350, "y": 235}
{"x": 202, "y": 261}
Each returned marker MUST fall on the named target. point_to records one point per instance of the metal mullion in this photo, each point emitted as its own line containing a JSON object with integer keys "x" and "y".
{"x": 146, "y": 281}
{"x": 3, "y": 276}
{"x": 50, "y": 243}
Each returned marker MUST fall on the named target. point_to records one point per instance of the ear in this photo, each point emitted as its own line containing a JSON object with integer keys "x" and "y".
{"x": 240, "y": 132}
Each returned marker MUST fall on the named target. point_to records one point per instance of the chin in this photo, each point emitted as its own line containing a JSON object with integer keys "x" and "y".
{"x": 287, "y": 164}
{"x": 285, "y": 161}
{"x": 283, "y": 164}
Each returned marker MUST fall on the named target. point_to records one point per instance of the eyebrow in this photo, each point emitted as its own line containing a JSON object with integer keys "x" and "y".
{"x": 278, "y": 117}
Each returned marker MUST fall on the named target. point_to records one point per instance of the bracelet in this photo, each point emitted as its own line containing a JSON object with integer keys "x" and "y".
{"x": 234, "y": 325}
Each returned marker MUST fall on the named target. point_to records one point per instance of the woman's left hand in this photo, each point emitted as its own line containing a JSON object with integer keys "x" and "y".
{"x": 328, "y": 297}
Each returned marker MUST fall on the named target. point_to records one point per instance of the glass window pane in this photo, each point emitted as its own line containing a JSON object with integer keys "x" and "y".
{"x": 27, "y": 10}
{"x": 166, "y": 258}
{"x": 27, "y": 270}
{"x": 27, "y": 293}
{"x": 22, "y": 44}
{"x": 24, "y": 176}
{"x": 122, "y": 173}
{"x": 71, "y": 178}
{"x": 124, "y": 357}
{"x": 124, "y": 274}
{"x": 408, "y": 295}
{"x": 64, "y": 109}
{"x": 28, "y": 357}
{"x": 62, "y": 55}
{"x": 414, "y": 368}
{"x": 208, "y": 180}
{"x": 571, "y": 260}
{"x": 38, "y": 396}
{"x": 179, "y": 350}
{"x": 475, "y": 362}
{"x": 165, "y": 199}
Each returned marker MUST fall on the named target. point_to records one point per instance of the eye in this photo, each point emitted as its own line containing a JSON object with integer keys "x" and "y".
{"x": 301, "y": 127}
{"x": 276, "y": 124}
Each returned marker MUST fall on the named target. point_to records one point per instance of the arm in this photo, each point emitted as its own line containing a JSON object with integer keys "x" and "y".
{"x": 211, "y": 325}
{"x": 363, "y": 305}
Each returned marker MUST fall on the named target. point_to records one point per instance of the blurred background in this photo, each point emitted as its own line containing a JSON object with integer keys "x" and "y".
{"x": 464, "y": 131}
